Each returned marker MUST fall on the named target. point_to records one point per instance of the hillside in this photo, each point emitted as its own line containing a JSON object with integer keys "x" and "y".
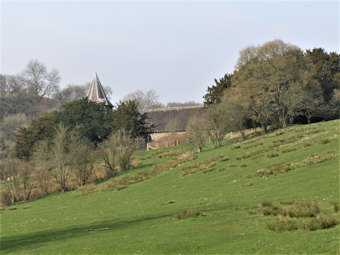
{"x": 212, "y": 203}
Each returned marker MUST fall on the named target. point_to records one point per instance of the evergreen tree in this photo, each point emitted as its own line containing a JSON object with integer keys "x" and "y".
{"x": 215, "y": 92}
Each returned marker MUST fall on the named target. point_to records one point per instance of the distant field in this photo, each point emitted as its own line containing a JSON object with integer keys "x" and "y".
{"x": 211, "y": 203}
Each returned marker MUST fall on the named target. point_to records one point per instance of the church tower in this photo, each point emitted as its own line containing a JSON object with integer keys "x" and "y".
{"x": 96, "y": 92}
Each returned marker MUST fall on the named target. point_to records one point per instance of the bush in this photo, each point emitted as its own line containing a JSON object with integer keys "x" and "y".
{"x": 6, "y": 198}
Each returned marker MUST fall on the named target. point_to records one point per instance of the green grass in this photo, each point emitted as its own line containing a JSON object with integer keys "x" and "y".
{"x": 142, "y": 218}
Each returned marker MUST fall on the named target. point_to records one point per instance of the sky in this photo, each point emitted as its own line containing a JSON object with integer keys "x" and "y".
{"x": 177, "y": 48}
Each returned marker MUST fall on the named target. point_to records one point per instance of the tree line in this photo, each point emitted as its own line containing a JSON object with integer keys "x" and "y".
{"x": 274, "y": 85}
{"x": 60, "y": 147}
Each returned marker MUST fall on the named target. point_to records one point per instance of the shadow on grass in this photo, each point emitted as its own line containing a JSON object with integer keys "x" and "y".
{"x": 24, "y": 241}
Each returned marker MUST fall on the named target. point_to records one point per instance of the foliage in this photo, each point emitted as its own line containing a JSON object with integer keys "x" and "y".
{"x": 93, "y": 121}
{"x": 277, "y": 83}
{"x": 26, "y": 137}
{"x": 327, "y": 67}
{"x": 127, "y": 117}
{"x": 216, "y": 92}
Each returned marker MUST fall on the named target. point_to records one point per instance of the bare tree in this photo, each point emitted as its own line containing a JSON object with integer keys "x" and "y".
{"x": 119, "y": 146}
{"x": 60, "y": 157}
{"x": 196, "y": 131}
{"x": 217, "y": 124}
{"x": 147, "y": 100}
{"x": 82, "y": 157}
{"x": 39, "y": 81}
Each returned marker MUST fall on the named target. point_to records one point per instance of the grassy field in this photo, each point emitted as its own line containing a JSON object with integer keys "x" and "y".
{"x": 176, "y": 202}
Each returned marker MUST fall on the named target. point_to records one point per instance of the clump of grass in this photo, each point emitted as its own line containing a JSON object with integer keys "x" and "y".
{"x": 298, "y": 210}
{"x": 274, "y": 170}
{"x": 323, "y": 141}
{"x": 273, "y": 155}
{"x": 225, "y": 158}
{"x": 190, "y": 213}
{"x": 252, "y": 145}
{"x": 238, "y": 157}
{"x": 288, "y": 150}
{"x": 253, "y": 153}
{"x": 307, "y": 144}
{"x": 336, "y": 206}
{"x": 288, "y": 139}
{"x": 282, "y": 224}
{"x": 265, "y": 208}
{"x": 243, "y": 165}
{"x": 288, "y": 224}
{"x": 287, "y": 202}
{"x": 236, "y": 146}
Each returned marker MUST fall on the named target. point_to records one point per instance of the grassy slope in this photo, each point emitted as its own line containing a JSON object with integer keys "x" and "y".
{"x": 139, "y": 219}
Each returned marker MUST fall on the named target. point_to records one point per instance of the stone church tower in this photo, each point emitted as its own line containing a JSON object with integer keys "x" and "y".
{"x": 96, "y": 92}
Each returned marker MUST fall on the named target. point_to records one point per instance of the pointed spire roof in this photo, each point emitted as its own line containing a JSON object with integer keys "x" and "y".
{"x": 96, "y": 92}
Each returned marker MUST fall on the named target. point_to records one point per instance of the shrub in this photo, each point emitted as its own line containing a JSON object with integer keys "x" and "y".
{"x": 6, "y": 198}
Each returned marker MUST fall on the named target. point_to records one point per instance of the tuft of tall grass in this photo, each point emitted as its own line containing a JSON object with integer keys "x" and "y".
{"x": 189, "y": 213}
{"x": 273, "y": 155}
{"x": 288, "y": 224}
{"x": 288, "y": 150}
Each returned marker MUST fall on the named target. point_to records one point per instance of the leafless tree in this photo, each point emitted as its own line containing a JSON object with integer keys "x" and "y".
{"x": 39, "y": 81}
{"x": 147, "y": 100}
{"x": 197, "y": 131}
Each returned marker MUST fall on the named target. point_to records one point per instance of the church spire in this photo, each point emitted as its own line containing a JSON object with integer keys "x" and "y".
{"x": 96, "y": 92}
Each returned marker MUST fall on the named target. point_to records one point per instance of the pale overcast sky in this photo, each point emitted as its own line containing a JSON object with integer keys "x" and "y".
{"x": 174, "y": 47}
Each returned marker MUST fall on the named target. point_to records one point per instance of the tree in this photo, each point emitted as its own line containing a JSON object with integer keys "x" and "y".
{"x": 127, "y": 117}
{"x": 17, "y": 173}
{"x": 236, "y": 112}
{"x": 60, "y": 158}
{"x": 196, "y": 131}
{"x": 217, "y": 126}
{"x": 93, "y": 121}
{"x": 8, "y": 126}
{"x": 327, "y": 72}
{"x": 39, "y": 81}
{"x": 81, "y": 152}
{"x": 268, "y": 74}
{"x": 119, "y": 146}
{"x": 215, "y": 92}
{"x": 147, "y": 100}
{"x": 43, "y": 128}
